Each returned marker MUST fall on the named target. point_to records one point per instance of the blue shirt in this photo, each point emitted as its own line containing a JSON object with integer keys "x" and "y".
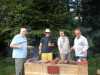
{"x": 19, "y": 52}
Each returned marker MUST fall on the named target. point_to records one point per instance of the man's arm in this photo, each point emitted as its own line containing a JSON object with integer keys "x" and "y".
{"x": 68, "y": 44}
{"x": 40, "y": 47}
{"x": 58, "y": 43}
{"x": 14, "y": 42}
{"x": 86, "y": 46}
{"x": 12, "y": 45}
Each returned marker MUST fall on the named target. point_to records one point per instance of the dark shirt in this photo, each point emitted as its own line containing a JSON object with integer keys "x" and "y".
{"x": 45, "y": 47}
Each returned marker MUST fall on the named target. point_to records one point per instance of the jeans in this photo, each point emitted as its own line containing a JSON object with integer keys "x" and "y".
{"x": 19, "y": 66}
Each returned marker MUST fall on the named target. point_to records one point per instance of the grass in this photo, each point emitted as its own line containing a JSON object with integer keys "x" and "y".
{"x": 7, "y": 65}
{"x": 92, "y": 66}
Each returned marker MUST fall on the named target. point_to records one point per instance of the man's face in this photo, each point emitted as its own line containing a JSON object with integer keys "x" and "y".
{"x": 47, "y": 34}
{"x": 77, "y": 33}
{"x": 24, "y": 31}
{"x": 61, "y": 34}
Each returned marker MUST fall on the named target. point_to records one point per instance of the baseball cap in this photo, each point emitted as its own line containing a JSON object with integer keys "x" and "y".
{"x": 47, "y": 30}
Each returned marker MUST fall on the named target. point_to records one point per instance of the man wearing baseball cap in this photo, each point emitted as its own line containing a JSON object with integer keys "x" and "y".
{"x": 46, "y": 42}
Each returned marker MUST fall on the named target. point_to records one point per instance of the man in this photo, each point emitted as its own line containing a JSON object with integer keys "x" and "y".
{"x": 19, "y": 45}
{"x": 64, "y": 47}
{"x": 46, "y": 43}
{"x": 80, "y": 46}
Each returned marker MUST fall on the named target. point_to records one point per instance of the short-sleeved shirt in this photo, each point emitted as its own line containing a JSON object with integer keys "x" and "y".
{"x": 19, "y": 52}
{"x": 45, "y": 47}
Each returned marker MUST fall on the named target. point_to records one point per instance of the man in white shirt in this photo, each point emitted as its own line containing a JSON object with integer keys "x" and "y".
{"x": 64, "y": 47}
{"x": 80, "y": 46}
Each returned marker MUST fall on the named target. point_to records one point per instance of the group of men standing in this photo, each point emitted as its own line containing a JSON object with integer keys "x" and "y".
{"x": 80, "y": 45}
{"x": 19, "y": 45}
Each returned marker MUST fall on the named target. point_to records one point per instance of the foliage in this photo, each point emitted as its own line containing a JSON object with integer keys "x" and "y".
{"x": 41, "y": 14}
{"x": 91, "y": 20}
{"x": 36, "y": 14}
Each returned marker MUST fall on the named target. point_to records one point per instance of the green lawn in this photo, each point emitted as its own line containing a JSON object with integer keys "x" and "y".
{"x": 92, "y": 66}
{"x": 7, "y": 65}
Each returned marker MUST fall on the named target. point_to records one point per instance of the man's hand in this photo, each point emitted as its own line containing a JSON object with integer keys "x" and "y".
{"x": 40, "y": 47}
{"x": 30, "y": 47}
{"x": 72, "y": 48}
{"x": 84, "y": 52}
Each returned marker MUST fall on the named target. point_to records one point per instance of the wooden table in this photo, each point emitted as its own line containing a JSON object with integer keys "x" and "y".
{"x": 64, "y": 69}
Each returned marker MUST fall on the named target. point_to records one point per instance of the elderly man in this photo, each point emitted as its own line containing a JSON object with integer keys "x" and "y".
{"x": 19, "y": 45}
{"x": 80, "y": 46}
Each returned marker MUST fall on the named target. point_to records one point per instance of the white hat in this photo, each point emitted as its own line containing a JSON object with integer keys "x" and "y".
{"x": 47, "y": 30}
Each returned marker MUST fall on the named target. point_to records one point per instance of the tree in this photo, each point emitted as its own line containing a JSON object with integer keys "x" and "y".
{"x": 36, "y": 14}
{"x": 91, "y": 20}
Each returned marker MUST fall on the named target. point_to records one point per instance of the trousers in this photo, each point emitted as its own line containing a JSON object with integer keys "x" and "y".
{"x": 19, "y": 66}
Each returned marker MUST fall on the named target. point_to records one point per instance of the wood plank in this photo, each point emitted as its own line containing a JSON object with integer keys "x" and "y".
{"x": 83, "y": 69}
